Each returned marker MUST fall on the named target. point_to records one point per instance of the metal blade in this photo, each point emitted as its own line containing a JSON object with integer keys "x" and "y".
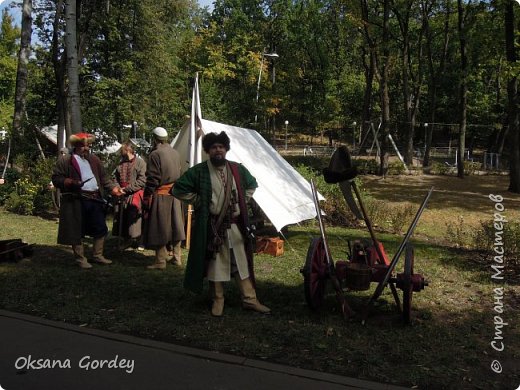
{"x": 346, "y": 189}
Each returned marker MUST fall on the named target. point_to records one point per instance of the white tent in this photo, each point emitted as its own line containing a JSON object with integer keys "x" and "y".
{"x": 112, "y": 146}
{"x": 283, "y": 194}
{"x": 51, "y": 133}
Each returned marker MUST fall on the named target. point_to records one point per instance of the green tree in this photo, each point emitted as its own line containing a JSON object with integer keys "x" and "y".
{"x": 22, "y": 68}
{"x": 513, "y": 98}
{"x": 8, "y": 62}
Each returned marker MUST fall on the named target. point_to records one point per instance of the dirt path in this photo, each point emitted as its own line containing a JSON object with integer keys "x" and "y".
{"x": 454, "y": 201}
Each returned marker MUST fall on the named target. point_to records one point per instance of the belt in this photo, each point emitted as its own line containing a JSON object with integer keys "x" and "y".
{"x": 91, "y": 194}
{"x": 164, "y": 189}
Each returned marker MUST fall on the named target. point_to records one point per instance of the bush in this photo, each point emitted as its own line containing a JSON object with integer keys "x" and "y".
{"x": 459, "y": 234}
{"x": 313, "y": 162}
{"x": 470, "y": 167}
{"x": 401, "y": 217}
{"x": 396, "y": 168}
{"x": 440, "y": 169}
{"x": 20, "y": 204}
{"x": 11, "y": 176}
{"x": 377, "y": 210}
{"x": 338, "y": 213}
{"x": 27, "y": 191}
{"x": 334, "y": 206}
{"x": 367, "y": 167}
{"x": 484, "y": 240}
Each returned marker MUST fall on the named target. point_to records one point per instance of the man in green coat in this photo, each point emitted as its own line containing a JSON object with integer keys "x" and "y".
{"x": 219, "y": 190}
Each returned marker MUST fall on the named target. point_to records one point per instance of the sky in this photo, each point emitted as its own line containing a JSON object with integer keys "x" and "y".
{"x": 17, "y": 14}
{"x": 202, "y": 3}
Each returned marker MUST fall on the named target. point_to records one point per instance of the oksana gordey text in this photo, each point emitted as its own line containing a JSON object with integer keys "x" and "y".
{"x": 85, "y": 363}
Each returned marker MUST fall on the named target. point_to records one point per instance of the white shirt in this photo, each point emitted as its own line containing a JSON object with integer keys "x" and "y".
{"x": 86, "y": 173}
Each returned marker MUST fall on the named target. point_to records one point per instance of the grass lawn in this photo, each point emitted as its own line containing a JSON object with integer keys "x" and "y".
{"x": 446, "y": 347}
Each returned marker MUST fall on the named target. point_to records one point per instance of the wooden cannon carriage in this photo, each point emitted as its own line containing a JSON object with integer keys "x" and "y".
{"x": 367, "y": 261}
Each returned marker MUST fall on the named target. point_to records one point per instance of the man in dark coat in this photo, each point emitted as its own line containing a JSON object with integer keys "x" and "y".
{"x": 131, "y": 176}
{"x": 219, "y": 190}
{"x": 164, "y": 220}
{"x": 82, "y": 180}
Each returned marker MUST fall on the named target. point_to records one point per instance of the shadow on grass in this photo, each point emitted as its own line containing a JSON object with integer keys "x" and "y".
{"x": 442, "y": 349}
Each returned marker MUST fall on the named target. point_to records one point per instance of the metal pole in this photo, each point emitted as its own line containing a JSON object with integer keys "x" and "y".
{"x": 286, "y": 124}
{"x": 258, "y": 86}
{"x": 274, "y": 114}
{"x": 354, "y": 135}
{"x": 346, "y": 311}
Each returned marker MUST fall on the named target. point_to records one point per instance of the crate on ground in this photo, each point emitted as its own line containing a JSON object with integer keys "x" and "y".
{"x": 269, "y": 245}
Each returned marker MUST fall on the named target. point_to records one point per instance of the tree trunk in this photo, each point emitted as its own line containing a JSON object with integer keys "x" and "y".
{"x": 370, "y": 72}
{"x": 404, "y": 23}
{"x": 22, "y": 71}
{"x": 463, "y": 97}
{"x": 71, "y": 47}
{"x": 385, "y": 97}
{"x": 513, "y": 102}
{"x": 408, "y": 149}
{"x": 58, "y": 63}
{"x": 435, "y": 76}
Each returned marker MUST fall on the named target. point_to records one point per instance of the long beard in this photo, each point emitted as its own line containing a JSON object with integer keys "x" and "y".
{"x": 218, "y": 162}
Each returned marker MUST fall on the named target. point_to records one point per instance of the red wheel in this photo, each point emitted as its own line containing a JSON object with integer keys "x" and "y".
{"x": 407, "y": 284}
{"x": 315, "y": 273}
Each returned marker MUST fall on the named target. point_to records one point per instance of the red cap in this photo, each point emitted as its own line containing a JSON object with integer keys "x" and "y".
{"x": 81, "y": 139}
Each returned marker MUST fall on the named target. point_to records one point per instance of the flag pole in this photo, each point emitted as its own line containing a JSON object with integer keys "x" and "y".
{"x": 194, "y": 149}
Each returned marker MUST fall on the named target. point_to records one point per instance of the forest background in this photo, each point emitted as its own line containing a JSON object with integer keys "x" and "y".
{"x": 428, "y": 72}
{"x": 340, "y": 66}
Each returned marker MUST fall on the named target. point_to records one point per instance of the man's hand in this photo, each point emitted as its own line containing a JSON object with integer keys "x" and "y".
{"x": 117, "y": 191}
{"x": 72, "y": 183}
{"x": 147, "y": 202}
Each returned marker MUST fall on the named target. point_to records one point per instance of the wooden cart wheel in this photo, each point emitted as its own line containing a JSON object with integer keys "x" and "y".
{"x": 407, "y": 284}
{"x": 315, "y": 273}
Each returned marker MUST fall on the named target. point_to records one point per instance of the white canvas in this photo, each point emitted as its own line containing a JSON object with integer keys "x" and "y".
{"x": 283, "y": 194}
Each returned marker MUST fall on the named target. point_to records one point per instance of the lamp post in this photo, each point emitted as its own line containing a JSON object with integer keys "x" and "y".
{"x": 264, "y": 55}
{"x": 354, "y": 135}
{"x": 286, "y": 124}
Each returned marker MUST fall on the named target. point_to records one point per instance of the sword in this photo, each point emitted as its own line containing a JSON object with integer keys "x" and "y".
{"x": 120, "y": 226}
{"x": 86, "y": 181}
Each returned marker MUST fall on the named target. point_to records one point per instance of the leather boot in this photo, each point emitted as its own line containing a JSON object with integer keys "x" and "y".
{"x": 249, "y": 300}
{"x": 161, "y": 255}
{"x": 217, "y": 292}
{"x": 175, "y": 255}
{"x": 79, "y": 254}
{"x": 98, "y": 257}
